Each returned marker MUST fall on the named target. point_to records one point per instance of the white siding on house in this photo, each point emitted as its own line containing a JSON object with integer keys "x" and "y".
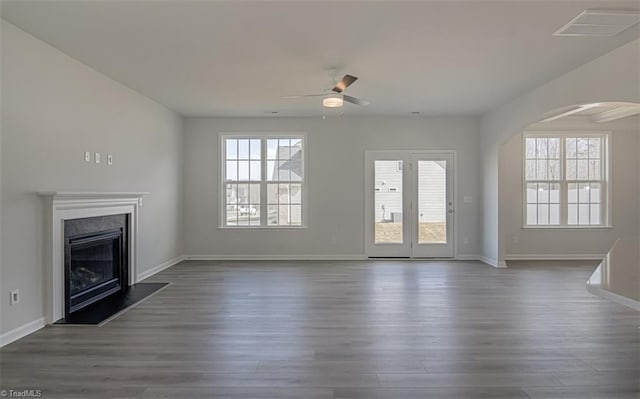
{"x": 432, "y": 193}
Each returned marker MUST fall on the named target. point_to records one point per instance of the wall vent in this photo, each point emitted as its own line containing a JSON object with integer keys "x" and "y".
{"x": 600, "y": 23}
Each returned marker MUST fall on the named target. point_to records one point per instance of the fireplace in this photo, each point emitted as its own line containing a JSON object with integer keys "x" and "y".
{"x": 63, "y": 206}
{"x": 95, "y": 259}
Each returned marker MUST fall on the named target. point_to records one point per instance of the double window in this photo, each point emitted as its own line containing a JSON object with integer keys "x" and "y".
{"x": 263, "y": 180}
{"x": 566, "y": 179}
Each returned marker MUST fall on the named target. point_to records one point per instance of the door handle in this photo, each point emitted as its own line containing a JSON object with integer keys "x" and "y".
{"x": 450, "y": 210}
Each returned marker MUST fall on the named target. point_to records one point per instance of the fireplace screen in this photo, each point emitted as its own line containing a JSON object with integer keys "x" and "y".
{"x": 94, "y": 267}
{"x": 93, "y": 264}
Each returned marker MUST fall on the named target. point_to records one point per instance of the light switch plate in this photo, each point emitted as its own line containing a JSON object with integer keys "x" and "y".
{"x": 109, "y": 159}
{"x": 97, "y": 157}
{"x": 87, "y": 156}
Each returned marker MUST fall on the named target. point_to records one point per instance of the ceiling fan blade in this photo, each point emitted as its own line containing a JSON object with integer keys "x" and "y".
{"x": 346, "y": 81}
{"x": 355, "y": 100}
{"x": 306, "y": 95}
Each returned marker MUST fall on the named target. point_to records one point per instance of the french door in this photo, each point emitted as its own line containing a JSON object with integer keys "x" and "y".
{"x": 409, "y": 204}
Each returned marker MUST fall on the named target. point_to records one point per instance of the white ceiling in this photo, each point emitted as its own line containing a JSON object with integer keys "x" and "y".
{"x": 205, "y": 58}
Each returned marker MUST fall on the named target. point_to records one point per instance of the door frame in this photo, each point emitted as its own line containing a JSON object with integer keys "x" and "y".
{"x": 404, "y": 250}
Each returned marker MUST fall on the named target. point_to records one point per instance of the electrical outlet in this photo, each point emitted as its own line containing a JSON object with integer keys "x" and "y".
{"x": 14, "y": 297}
{"x": 109, "y": 159}
{"x": 87, "y": 156}
{"x": 97, "y": 157}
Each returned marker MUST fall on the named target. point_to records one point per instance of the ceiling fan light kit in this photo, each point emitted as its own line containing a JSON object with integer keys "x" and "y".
{"x": 333, "y": 100}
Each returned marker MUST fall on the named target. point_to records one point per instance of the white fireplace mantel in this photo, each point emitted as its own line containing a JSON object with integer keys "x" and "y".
{"x": 65, "y": 205}
{"x": 91, "y": 195}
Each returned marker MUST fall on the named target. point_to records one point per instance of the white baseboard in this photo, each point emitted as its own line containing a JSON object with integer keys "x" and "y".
{"x": 493, "y": 262}
{"x": 633, "y": 304}
{"x": 468, "y": 257}
{"x": 309, "y": 257}
{"x": 275, "y": 257}
{"x": 23, "y": 330}
{"x": 157, "y": 269}
{"x": 554, "y": 256}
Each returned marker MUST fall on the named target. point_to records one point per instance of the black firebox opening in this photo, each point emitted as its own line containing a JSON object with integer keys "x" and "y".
{"x": 95, "y": 260}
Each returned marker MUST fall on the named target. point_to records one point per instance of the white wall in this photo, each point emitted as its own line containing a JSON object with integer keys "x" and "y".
{"x": 581, "y": 242}
{"x": 53, "y": 109}
{"x": 612, "y": 77}
{"x": 335, "y": 168}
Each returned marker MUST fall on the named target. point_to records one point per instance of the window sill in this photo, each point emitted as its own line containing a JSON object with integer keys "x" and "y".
{"x": 262, "y": 228}
{"x": 567, "y": 228}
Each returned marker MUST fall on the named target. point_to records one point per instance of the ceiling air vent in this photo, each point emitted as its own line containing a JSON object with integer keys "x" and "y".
{"x": 599, "y": 23}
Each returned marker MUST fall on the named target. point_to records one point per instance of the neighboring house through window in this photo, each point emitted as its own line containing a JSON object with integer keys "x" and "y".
{"x": 263, "y": 177}
{"x": 566, "y": 177}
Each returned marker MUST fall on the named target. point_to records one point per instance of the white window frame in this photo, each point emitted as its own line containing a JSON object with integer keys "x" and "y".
{"x": 605, "y": 179}
{"x": 263, "y": 136}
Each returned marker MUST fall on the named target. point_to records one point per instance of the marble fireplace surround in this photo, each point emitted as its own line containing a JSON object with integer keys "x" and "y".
{"x": 65, "y": 205}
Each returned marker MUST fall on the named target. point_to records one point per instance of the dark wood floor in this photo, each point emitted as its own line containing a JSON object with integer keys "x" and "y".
{"x": 381, "y": 329}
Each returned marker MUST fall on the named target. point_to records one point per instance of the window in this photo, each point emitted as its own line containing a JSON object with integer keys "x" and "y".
{"x": 263, "y": 179}
{"x": 543, "y": 180}
{"x": 565, "y": 179}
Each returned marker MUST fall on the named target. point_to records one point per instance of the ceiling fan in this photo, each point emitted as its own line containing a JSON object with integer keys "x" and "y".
{"x": 335, "y": 97}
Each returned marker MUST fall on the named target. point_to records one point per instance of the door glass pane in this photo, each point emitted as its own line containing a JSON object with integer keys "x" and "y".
{"x": 432, "y": 202}
{"x": 388, "y": 202}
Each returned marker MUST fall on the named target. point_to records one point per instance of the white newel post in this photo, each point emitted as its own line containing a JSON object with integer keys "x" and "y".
{"x": 61, "y": 206}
